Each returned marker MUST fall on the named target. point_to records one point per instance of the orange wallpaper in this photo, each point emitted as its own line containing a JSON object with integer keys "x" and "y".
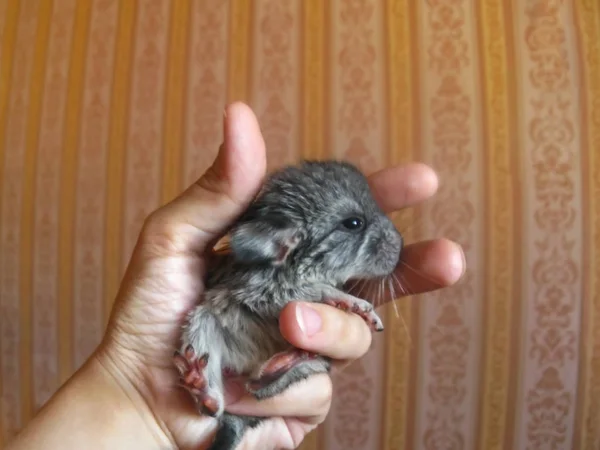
{"x": 109, "y": 108}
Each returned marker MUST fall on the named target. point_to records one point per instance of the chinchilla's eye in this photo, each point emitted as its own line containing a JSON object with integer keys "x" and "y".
{"x": 353, "y": 223}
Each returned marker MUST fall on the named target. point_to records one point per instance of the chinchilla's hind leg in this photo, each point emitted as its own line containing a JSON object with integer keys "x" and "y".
{"x": 199, "y": 362}
{"x": 194, "y": 378}
{"x": 285, "y": 369}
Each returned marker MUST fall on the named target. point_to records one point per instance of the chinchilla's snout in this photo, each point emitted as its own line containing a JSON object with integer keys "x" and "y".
{"x": 394, "y": 238}
{"x": 393, "y": 243}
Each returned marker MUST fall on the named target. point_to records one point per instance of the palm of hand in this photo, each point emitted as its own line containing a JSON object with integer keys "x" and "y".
{"x": 167, "y": 289}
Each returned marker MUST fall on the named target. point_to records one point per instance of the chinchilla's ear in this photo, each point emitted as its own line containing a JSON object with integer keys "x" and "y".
{"x": 264, "y": 241}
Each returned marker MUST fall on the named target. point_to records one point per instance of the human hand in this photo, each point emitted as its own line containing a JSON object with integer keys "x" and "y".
{"x": 164, "y": 280}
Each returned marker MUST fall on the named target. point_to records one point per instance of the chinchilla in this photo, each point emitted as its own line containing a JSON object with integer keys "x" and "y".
{"x": 311, "y": 229}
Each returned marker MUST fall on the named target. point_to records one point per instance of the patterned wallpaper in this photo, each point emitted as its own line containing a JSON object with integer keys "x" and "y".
{"x": 109, "y": 108}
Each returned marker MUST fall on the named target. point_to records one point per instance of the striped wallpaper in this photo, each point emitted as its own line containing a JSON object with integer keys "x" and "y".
{"x": 109, "y": 108}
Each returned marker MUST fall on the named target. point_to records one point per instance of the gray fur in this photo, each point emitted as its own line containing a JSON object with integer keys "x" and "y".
{"x": 289, "y": 245}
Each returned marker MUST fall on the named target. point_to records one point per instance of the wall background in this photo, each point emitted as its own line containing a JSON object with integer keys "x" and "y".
{"x": 109, "y": 108}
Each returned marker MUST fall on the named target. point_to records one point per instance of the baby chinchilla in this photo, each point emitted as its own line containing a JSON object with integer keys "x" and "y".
{"x": 312, "y": 228}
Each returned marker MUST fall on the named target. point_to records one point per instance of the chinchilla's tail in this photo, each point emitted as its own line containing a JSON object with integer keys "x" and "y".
{"x": 232, "y": 430}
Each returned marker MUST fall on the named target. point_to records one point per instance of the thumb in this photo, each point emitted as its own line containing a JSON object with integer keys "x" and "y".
{"x": 203, "y": 211}
{"x": 187, "y": 224}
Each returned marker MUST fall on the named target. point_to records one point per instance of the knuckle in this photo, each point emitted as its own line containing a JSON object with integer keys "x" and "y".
{"x": 361, "y": 337}
{"x": 159, "y": 234}
{"x": 153, "y": 222}
{"x": 325, "y": 395}
{"x": 349, "y": 334}
{"x": 213, "y": 183}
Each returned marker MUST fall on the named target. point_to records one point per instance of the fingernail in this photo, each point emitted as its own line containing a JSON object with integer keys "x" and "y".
{"x": 308, "y": 319}
{"x": 458, "y": 264}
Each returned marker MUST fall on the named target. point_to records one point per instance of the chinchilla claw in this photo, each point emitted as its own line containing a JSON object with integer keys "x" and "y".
{"x": 377, "y": 326}
{"x": 192, "y": 378}
{"x": 364, "y": 310}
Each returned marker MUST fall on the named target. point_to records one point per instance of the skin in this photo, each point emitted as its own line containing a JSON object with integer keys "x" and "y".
{"x": 125, "y": 395}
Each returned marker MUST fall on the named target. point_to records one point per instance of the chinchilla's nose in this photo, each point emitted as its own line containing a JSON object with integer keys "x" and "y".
{"x": 393, "y": 237}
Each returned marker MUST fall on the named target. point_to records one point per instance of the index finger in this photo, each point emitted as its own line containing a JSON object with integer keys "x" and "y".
{"x": 397, "y": 187}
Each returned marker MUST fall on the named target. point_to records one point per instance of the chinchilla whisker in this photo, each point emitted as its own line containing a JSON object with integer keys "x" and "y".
{"x": 375, "y": 297}
{"x": 376, "y": 289}
{"x": 365, "y": 291}
{"x": 389, "y": 292}
{"x": 409, "y": 290}
{"x": 356, "y": 283}
{"x": 391, "y": 287}
{"x": 392, "y": 294}
{"x": 371, "y": 287}
{"x": 385, "y": 287}
{"x": 404, "y": 283}
{"x": 398, "y": 283}
{"x": 364, "y": 285}
{"x": 420, "y": 273}
{"x": 370, "y": 295}
{"x": 393, "y": 281}
{"x": 350, "y": 286}
{"x": 396, "y": 308}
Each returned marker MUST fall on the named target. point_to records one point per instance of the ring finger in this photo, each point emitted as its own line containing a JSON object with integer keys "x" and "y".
{"x": 309, "y": 399}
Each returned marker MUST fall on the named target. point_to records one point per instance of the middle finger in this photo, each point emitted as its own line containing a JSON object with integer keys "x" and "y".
{"x": 401, "y": 186}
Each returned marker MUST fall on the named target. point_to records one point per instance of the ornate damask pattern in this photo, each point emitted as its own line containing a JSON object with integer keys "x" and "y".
{"x": 275, "y": 93}
{"x": 144, "y": 149}
{"x": 240, "y": 45}
{"x": 356, "y": 81}
{"x": 554, "y": 222}
{"x": 117, "y": 150}
{"x": 501, "y": 266}
{"x": 587, "y": 427}
{"x": 7, "y": 51}
{"x": 47, "y": 199}
{"x": 91, "y": 181}
{"x": 313, "y": 32}
{"x": 399, "y": 328}
{"x": 206, "y": 86}
{"x": 14, "y": 405}
{"x": 26, "y": 271}
{"x": 175, "y": 99}
{"x": 3, "y": 22}
{"x": 83, "y": 107}
{"x": 68, "y": 181}
{"x": 358, "y": 68}
{"x": 450, "y": 135}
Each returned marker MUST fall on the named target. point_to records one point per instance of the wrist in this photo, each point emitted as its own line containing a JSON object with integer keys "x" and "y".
{"x": 96, "y": 408}
{"x": 134, "y": 403}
